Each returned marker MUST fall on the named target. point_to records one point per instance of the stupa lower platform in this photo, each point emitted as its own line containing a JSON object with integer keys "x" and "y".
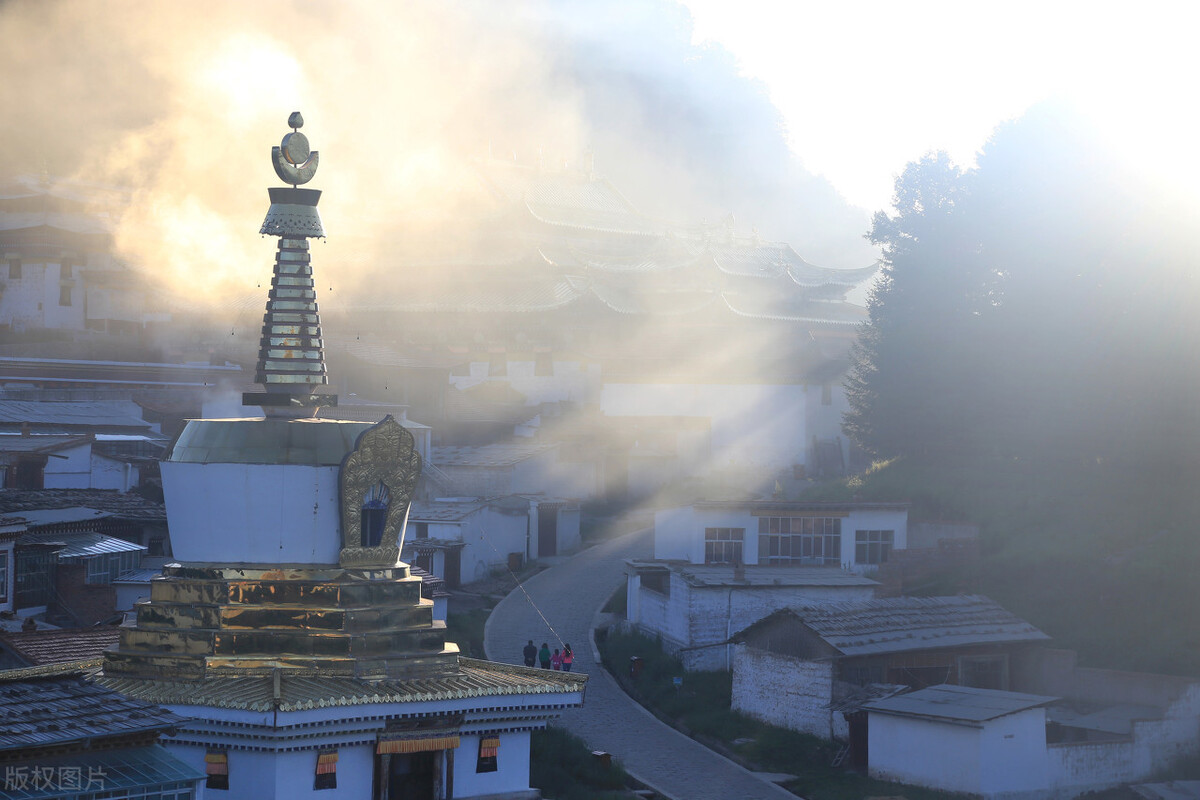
{"x": 214, "y": 619}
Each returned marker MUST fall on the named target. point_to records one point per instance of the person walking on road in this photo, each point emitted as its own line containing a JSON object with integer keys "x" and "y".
{"x": 568, "y": 657}
{"x": 530, "y": 652}
{"x": 544, "y": 656}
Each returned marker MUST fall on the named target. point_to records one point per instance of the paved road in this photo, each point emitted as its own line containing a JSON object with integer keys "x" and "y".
{"x": 569, "y": 594}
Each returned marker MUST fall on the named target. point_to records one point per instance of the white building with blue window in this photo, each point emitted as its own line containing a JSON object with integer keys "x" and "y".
{"x": 720, "y": 566}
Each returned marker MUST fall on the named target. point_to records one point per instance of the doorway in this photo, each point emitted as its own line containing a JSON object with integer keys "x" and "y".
{"x": 548, "y": 529}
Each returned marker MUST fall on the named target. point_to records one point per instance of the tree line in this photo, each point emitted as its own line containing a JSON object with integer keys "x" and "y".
{"x": 1041, "y": 304}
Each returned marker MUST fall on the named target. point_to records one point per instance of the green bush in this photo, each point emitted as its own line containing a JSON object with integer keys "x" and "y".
{"x": 563, "y": 768}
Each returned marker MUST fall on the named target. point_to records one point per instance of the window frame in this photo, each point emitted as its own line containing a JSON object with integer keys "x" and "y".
{"x": 873, "y": 546}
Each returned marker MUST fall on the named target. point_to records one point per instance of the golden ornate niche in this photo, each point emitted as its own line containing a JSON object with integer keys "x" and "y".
{"x": 384, "y": 456}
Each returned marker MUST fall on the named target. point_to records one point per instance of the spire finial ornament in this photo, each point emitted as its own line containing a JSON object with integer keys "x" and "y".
{"x": 294, "y": 161}
{"x": 291, "y": 357}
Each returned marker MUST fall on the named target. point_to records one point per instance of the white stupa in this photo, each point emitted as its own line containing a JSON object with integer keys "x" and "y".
{"x": 289, "y": 631}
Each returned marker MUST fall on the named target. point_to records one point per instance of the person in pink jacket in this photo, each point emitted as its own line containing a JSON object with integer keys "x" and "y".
{"x": 556, "y": 660}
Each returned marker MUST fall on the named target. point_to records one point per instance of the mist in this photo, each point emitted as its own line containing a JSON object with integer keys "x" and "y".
{"x": 403, "y": 101}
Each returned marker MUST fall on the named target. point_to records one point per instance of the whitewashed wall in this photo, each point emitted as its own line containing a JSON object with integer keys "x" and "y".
{"x": 784, "y": 691}
{"x": 679, "y": 532}
{"x": 1156, "y": 745}
{"x": 512, "y": 767}
{"x": 72, "y": 472}
{"x": 109, "y": 473}
{"x": 924, "y": 753}
{"x": 215, "y": 517}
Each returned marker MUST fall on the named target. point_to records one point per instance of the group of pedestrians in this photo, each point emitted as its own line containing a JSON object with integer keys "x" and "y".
{"x": 556, "y": 660}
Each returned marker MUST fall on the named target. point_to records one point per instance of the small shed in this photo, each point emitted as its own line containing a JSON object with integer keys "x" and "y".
{"x": 981, "y": 742}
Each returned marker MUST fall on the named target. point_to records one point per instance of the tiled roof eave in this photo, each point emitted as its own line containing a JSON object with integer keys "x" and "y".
{"x": 337, "y": 693}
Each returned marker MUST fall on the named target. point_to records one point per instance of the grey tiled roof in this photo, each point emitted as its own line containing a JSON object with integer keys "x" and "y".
{"x": 91, "y": 415}
{"x": 60, "y": 708}
{"x": 914, "y": 623}
{"x": 126, "y": 506}
{"x": 488, "y": 455}
{"x": 62, "y": 645}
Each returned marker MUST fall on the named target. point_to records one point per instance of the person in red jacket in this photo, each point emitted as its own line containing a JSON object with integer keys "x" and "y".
{"x": 568, "y": 657}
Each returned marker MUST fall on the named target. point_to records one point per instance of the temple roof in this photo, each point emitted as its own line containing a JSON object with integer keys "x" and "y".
{"x": 298, "y": 692}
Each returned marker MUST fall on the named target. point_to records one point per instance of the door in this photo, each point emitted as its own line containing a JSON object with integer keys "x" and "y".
{"x": 453, "y": 576}
{"x": 548, "y": 529}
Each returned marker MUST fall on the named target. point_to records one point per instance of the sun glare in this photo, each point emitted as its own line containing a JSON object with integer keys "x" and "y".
{"x": 244, "y": 66}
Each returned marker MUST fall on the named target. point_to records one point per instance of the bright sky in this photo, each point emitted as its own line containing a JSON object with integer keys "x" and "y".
{"x": 866, "y": 87}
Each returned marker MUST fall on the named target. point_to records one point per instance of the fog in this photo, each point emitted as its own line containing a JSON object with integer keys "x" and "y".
{"x": 180, "y": 106}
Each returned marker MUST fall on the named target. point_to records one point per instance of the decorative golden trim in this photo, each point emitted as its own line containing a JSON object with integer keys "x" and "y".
{"x": 384, "y": 453}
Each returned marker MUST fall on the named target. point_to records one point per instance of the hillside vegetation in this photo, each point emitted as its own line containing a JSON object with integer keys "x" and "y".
{"x": 1103, "y": 558}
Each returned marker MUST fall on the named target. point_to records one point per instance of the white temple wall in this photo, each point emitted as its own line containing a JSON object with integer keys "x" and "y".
{"x": 247, "y": 513}
{"x": 512, "y": 766}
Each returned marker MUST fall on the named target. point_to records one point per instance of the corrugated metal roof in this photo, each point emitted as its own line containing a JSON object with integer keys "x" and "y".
{"x": 139, "y": 575}
{"x": 916, "y": 623}
{"x": 55, "y": 709}
{"x": 307, "y": 691}
{"x": 83, "y": 545}
{"x": 118, "y": 773}
{"x": 958, "y": 703}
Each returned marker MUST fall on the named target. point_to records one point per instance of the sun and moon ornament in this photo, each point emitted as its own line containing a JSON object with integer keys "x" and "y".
{"x": 294, "y": 161}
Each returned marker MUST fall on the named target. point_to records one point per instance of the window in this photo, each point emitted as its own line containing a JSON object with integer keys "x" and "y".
{"x": 374, "y": 516}
{"x": 872, "y": 547}
{"x": 216, "y": 766}
{"x": 489, "y": 746}
{"x": 723, "y": 545}
{"x": 14, "y": 267}
{"x": 3, "y": 576}
{"x": 826, "y": 394}
{"x": 543, "y": 364}
{"x": 64, "y": 295}
{"x": 326, "y": 777}
{"x": 420, "y": 530}
{"x": 800, "y": 540}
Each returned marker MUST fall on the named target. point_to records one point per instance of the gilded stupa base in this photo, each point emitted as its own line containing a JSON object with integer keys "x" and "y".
{"x": 204, "y": 620}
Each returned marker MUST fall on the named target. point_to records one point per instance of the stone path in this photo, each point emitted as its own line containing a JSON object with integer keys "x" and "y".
{"x": 570, "y": 594}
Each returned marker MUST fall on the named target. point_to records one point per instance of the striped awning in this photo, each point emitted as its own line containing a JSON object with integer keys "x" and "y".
{"x": 216, "y": 762}
{"x": 489, "y": 746}
{"x": 416, "y": 744}
{"x": 327, "y": 762}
